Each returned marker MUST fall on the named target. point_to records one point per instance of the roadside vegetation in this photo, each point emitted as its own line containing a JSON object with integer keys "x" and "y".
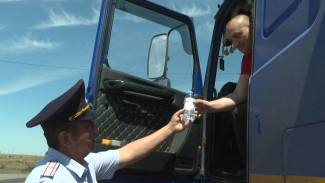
{"x": 18, "y": 163}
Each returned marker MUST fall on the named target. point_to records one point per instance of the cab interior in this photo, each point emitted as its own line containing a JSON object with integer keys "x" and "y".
{"x": 223, "y": 158}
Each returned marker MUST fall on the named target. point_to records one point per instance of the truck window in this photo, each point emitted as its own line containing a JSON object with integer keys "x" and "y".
{"x": 132, "y": 34}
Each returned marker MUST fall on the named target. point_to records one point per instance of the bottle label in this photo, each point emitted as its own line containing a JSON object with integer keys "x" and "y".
{"x": 188, "y": 104}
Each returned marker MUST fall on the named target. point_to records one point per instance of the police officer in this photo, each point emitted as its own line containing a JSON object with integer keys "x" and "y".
{"x": 68, "y": 127}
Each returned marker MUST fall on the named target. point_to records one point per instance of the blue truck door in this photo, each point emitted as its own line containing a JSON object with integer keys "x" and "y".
{"x": 287, "y": 113}
{"x": 130, "y": 104}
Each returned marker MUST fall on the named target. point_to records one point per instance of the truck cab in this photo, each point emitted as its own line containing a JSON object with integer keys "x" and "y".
{"x": 140, "y": 76}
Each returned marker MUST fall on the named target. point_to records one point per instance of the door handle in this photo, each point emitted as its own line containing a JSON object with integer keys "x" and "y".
{"x": 125, "y": 86}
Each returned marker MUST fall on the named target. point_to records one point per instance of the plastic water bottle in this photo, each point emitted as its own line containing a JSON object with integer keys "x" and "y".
{"x": 189, "y": 113}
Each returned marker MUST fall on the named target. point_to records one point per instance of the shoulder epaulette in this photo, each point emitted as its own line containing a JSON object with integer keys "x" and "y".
{"x": 51, "y": 167}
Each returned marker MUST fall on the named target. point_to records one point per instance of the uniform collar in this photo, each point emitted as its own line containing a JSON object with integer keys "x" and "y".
{"x": 69, "y": 163}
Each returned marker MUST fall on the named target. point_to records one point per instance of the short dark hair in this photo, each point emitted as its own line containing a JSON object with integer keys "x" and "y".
{"x": 51, "y": 135}
{"x": 245, "y": 12}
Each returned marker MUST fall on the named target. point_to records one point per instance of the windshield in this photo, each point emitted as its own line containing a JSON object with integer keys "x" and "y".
{"x": 132, "y": 30}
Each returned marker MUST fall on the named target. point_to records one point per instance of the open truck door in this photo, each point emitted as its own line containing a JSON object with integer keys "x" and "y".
{"x": 145, "y": 61}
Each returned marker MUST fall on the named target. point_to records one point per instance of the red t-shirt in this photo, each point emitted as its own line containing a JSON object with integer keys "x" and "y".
{"x": 246, "y": 64}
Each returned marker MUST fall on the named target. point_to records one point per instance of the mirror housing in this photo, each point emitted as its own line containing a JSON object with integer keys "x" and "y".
{"x": 157, "y": 58}
{"x": 163, "y": 82}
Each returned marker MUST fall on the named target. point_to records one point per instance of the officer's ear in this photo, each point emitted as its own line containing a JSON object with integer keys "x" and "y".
{"x": 65, "y": 139}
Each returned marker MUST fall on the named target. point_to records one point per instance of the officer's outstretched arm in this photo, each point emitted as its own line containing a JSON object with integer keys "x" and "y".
{"x": 140, "y": 148}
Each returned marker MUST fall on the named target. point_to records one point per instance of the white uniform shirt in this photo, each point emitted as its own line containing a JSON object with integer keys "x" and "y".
{"x": 57, "y": 167}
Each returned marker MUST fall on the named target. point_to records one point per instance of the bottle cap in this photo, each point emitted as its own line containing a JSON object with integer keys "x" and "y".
{"x": 190, "y": 93}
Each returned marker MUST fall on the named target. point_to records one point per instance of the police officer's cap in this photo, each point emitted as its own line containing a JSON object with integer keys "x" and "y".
{"x": 68, "y": 107}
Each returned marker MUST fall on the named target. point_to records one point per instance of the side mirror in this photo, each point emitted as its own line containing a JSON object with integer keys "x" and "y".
{"x": 156, "y": 67}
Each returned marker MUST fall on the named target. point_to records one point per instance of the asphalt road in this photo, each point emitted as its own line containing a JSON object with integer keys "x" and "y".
{"x": 12, "y": 178}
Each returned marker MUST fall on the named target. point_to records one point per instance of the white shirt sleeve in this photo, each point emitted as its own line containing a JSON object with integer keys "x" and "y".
{"x": 104, "y": 163}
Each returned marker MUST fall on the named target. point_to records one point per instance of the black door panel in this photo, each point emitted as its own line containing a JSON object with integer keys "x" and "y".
{"x": 130, "y": 111}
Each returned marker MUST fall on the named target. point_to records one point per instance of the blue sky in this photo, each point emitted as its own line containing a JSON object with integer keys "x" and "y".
{"x": 46, "y": 46}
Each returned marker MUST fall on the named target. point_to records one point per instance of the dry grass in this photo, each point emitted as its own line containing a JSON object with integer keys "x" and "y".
{"x": 17, "y": 163}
